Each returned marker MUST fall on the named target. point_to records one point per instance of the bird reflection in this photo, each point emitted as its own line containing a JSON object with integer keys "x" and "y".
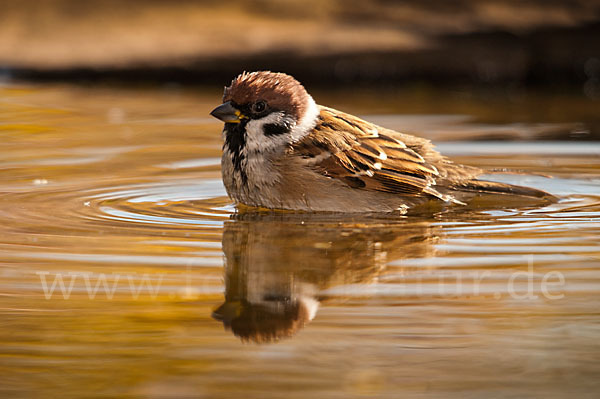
{"x": 278, "y": 263}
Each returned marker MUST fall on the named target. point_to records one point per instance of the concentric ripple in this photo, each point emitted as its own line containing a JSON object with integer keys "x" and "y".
{"x": 118, "y": 244}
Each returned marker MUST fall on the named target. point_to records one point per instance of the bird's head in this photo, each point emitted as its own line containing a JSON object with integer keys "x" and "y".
{"x": 269, "y": 109}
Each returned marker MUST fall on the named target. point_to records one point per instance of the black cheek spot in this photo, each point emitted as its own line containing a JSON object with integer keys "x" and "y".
{"x": 273, "y": 129}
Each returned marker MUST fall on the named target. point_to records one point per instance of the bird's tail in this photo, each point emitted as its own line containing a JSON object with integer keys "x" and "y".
{"x": 491, "y": 187}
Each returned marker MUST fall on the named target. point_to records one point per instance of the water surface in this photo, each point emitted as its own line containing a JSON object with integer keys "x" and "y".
{"x": 126, "y": 271}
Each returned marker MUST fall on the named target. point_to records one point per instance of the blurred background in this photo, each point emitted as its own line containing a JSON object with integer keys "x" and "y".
{"x": 549, "y": 43}
{"x": 535, "y": 61}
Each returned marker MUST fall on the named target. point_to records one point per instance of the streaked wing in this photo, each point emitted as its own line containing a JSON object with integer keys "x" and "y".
{"x": 368, "y": 157}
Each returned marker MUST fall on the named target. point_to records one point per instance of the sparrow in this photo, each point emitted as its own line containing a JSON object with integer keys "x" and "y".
{"x": 281, "y": 150}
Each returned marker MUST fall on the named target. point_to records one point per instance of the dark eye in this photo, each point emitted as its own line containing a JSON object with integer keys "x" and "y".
{"x": 259, "y": 107}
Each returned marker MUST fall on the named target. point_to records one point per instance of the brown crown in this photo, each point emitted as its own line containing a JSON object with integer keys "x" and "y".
{"x": 278, "y": 90}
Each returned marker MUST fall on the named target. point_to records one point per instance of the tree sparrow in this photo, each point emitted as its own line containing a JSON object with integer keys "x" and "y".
{"x": 283, "y": 151}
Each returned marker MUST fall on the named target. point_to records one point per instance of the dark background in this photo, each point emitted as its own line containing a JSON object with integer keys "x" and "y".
{"x": 532, "y": 43}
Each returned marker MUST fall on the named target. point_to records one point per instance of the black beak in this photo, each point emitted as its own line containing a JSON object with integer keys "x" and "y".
{"x": 227, "y": 113}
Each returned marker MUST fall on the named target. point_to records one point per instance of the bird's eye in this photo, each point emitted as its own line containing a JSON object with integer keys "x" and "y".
{"x": 259, "y": 107}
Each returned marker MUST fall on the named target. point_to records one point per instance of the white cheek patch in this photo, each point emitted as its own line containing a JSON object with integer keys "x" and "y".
{"x": 307, "y": 123}
{"x": 312, "y": 305}
{"x": 256, "y": 140}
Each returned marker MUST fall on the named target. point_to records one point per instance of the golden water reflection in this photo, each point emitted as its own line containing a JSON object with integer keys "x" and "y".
{"x": 118, "y": 192}
{"x": 277, "y": 264}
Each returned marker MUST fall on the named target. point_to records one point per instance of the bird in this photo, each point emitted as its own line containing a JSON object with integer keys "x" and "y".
{"x": 281, "y": 150}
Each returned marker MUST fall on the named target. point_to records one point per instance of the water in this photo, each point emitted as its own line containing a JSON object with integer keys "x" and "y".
{"x": 114, "y": 281}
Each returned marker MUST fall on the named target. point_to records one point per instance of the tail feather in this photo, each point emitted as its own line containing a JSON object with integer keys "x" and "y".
{"x": 491, "y": 187}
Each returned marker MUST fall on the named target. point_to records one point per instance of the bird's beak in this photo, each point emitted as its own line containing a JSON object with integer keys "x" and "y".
{"x": 227, "y": 113}
{"x": 228, "y": 311}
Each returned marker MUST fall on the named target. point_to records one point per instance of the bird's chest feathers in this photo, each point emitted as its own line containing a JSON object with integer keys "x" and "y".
{"x": 248, "y": 159}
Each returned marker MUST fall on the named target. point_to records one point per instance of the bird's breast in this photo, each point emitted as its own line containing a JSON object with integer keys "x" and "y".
{"x": 250, "y": 177}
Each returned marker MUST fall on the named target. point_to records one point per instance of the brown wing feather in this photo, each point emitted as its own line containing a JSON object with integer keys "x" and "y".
{"x": 369, "y": 157}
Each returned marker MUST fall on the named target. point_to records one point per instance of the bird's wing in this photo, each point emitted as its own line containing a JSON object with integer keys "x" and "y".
{"x": 366, "y": 156}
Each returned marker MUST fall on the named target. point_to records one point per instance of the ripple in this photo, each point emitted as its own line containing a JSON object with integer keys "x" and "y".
{"x": 117, "y": 225}
{"x": 188, "y": 202}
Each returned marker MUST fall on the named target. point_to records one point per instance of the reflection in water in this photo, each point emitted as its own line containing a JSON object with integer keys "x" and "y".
{"x": 277, "y": 263}
{"x": 83, "y": 193}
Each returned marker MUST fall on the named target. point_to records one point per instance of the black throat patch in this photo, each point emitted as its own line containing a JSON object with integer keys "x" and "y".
{"x": 235, "y": 141}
